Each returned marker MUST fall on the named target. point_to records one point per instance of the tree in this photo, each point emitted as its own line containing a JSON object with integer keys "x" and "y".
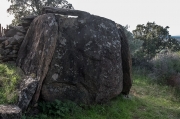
{"x": 155, "y": 39}
{"x": 134, "y": 44}
{"x": 22, "y": 8}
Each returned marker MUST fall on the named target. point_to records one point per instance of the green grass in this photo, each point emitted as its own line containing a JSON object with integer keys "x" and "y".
{"x": 155, "y": 101}
{"x": 9, "y": 78}
{"x": 148, "y": 101}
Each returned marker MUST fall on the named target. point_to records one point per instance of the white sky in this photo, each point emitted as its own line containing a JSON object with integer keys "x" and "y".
{"x": 131, "y": 12}
{"x": 5, "y": 18}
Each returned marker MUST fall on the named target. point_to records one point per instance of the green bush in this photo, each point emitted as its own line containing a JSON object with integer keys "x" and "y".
{"x": 165, "y": 66}
{"x": 58, "y": 108}
{"x": 134, "y": 44}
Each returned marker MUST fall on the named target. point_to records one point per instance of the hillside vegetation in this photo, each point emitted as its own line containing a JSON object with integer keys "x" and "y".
{"x": 147, "y": 100}
{"x": 9, "y": 80}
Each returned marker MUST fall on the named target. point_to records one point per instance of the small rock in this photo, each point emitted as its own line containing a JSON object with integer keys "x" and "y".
{"x": 1, "y": 45}
{"x": 6, "y": 51}
{"x": 20, "y": 34}
{"x": 10, "y": 112}
{"x": 19, "y": 29}
{"x": 10, "y": 32}
{"x": 18, "y": 38}
{"x": 12, "y": 40}
{"x": 26, "y": 24}
{"x": 15, "y": 47}
{"x": 8, "y": 47}
{"x": 6, "y": 42}
{"x": 27, "y": 90}
{"x": 29, "y": 18}
{"x": 126, "y": 97}
{"x": 2, "y": 39}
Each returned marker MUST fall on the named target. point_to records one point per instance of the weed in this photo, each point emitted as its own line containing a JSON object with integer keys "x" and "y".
{"x": 148, "y": 101}
{"x": 165, "y": 66}
{"x": 9, "y": 79}
{"x": 58, "y": 108}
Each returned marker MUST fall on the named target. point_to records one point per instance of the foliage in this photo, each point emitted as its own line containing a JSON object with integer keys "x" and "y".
{"x": 9, "y": 79}
{"x": 41, "y": 116}
{"x": 165, "y": 66}
{"x": 58, "y": 108}
{"x": 134, "y": 44}
{"x": 22, "y": 8}
{"x": 155, "y": 39}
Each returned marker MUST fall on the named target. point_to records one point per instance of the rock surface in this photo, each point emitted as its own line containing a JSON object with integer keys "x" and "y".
{"x": 10, "y": 112}
{"x": 85, "y": 59}
{"x": 126, "y": 61}
{"x": 37, "y": 49}
{"x": 10, "y": 43}
{"x": 26, "y": 92}
{"x": 87, "y": 64}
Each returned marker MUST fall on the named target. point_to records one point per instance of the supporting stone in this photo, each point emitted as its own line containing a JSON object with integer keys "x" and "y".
{"x": 37, "y": 49}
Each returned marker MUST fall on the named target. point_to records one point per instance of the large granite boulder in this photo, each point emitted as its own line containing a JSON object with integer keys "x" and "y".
{"x": 87, "y": 65}
{"x": 83, "y": 58}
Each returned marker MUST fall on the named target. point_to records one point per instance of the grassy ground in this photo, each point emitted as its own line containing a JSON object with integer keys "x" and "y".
{"x": 148, "y": 101}
{"x": 154, "y": 101}
{"x": 9, "y": 78}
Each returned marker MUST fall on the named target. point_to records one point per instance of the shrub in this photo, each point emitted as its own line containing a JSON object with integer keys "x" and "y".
{"x": 59, "y": 108}
{"x": 9, "y": 80}
{"x": 165, "y": 66}
{"x": 134, "y": 44}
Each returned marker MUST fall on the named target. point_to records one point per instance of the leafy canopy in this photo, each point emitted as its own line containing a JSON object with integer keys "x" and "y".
{"x": 155, "y": 39}
{"x": 22, "y": 8}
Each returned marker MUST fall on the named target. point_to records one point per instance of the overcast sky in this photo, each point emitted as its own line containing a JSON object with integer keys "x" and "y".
{"x": 131, "y": 12}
